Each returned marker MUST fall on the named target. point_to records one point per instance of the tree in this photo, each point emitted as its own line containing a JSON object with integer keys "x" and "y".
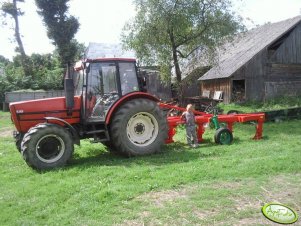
{"x": 165, "y": 31}
{"x": 11, "y": 9}
{"x": 47, "y": 74}
{"x": 61, "y": 28}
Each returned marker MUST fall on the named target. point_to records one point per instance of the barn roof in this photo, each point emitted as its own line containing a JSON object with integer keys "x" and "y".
{"x": 244, "y": 47}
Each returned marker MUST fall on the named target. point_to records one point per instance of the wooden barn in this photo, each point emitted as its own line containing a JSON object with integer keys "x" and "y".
{"x": 260, "y": 64}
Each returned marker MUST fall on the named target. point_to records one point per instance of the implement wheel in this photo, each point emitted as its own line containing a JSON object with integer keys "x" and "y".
{"x": 138, "y": 128}
{"x": 47, "y": 146}
{"x": 223, "y": 136}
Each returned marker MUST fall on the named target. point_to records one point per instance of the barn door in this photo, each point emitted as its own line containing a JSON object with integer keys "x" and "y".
{"x": 238, "y": 90}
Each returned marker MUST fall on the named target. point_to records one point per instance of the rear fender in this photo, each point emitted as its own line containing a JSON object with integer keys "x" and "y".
{"x": 124, "y": 99}
{"x": 74, "y": 133}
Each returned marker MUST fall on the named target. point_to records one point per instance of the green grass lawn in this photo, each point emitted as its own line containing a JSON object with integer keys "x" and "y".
{"x": 274, "y": 104}
{"x": 209, "y": 185}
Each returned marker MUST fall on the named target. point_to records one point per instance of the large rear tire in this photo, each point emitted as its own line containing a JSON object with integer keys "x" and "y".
{"x": 138, "y": 128}
{"x": 47, "y": 146}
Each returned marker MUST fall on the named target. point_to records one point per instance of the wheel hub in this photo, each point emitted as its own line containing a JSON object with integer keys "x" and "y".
{"x": 142, "y": 129}
{"x": 50, "y": 148}
{"x": 139, "y": 128}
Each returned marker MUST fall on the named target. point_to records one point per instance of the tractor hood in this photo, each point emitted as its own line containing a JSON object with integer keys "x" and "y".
{"x": 26, "y": 114}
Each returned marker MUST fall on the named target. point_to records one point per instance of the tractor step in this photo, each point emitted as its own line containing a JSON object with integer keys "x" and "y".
{"x": 96, "y": 131}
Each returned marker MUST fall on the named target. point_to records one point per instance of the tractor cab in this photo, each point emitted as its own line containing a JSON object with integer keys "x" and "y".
{"x": 101, "y": 82}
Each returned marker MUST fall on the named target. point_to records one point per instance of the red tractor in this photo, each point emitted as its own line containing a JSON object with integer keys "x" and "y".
{"x": 102, "y": 101}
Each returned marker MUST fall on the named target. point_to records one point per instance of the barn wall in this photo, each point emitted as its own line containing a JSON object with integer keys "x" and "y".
{"x": 218, "y": 85}
{"x": 290, "y": 50}
{"x": 253, "y": 73}
{"x": 283, "y": 77}
{"x": 283, "y": 80}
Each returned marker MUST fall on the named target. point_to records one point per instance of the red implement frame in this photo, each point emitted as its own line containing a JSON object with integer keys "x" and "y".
{"x": 204, "y": 118}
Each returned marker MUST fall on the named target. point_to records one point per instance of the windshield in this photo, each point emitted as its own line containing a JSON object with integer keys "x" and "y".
{"x": 78, "y": 81}
{"x": 128, "y": 78}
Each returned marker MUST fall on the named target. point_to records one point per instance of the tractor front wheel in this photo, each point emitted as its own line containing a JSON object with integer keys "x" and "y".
{"x": 47, "y": 146}
{"x": 138, "y": 128}
{"x": 18, "y": 140}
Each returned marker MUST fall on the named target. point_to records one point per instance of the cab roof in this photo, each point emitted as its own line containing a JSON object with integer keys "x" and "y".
{"x": 79, "y": 64}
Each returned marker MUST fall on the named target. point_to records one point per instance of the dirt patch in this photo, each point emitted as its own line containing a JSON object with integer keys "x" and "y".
{"x": 203, "y": 214}
{"x": 279, "y": 189}
{"x": 6, "y": 133}
{"x": 227, "y": 185}
{"x": 131, "y": 223}
{"x": 160, "y": 198}
{"x": 247, "y": 198}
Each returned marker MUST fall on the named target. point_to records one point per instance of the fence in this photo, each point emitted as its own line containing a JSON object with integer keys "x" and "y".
{"x": 29, "y": 95}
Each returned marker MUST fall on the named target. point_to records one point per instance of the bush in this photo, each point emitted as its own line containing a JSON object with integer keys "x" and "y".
{"x": 46, "y": 74}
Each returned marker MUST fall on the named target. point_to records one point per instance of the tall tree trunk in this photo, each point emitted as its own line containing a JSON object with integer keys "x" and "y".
{"x": 177, "y": 69}
{"x": 17, "y": 31}
{"x": 24, "y": 58}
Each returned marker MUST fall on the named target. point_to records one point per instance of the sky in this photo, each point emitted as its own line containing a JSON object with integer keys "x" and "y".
{"x": 102, "y": 21}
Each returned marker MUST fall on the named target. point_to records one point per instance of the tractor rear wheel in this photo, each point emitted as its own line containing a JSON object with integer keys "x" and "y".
{"x": 47, "y": 146}
{"x": 138, "y": 128}
{"x": 110, "y": 146}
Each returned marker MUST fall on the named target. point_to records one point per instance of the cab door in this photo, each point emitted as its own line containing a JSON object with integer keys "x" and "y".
{"x": 102, "y": 90}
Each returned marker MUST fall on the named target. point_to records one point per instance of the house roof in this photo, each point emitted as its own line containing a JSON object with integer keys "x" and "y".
{"x": 233, "y": 55}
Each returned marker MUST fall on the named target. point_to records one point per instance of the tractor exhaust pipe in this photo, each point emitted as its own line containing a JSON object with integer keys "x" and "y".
{"x": 69, "y": 89}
